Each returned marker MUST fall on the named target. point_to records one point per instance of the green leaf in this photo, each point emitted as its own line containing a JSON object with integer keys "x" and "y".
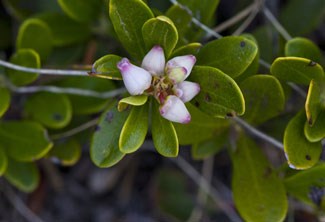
{"x": 302, "y": 184}
{"x": 316, "y": 132}
{"x": 27, "y": 58}
{"x": 300, "y": 153}
{"x": 65, "y": 31}
{"x": 232, "y": 55}
{"x": 202, "y": 127}
{"x": 104, "y": 147}
{"x": 300, "y": 17}
{"x": 82, "y": 10}
{"x": 68, "y": 152}
{"x": 51, "y": 110}
{"x": 264, "y": 98}
{"x": 297, "y": 70}
{"x": 24, "y": 176}
{"x": 131, "y": 100}
{"x": 84, "y": 104}
{"x": 128, "y": 17}
{"x": 255, "y": 184}
{"x": 160, "y": 31}
{"x": 106, "y": 67}
{"x": 4, "y": 100}
{"x": 302, "y": 47}
{"x": 3, "y": 161}
{"x": 35, "y": 34}
{"x": 163, "y": 134}
{"x": 135, "y": 129}
{"x": 24, "y": 140}
{"x": 315, "y": 101}
{"x": 210, "y": 147}
{"x": 190, "y": 49}
{"x": 220, "y": 96}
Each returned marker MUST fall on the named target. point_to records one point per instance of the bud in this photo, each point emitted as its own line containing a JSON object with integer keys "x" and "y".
{"x": 154, "y": 61}
{"x": 175, "y": 110}
{"x": 186, "y": 62}
{"x": 187, "y": 90}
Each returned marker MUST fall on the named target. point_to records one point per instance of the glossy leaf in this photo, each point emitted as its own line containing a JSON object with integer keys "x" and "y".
{"x": 135, "y": 129}
{"x": 316, "y": 132}
{"x": 128, "y": 17}
{"x": 4, "y": 100}
{"x": 132, "y": 100}
{"x": 302, "y": 47}
{"x": 24, "y": 140}
{"x": 190, "y": 49}
{"x": 104, "y": 147}
{"x": 106, "y": 67}
{"x": 51, "y": 110}
{"x": 202, "y": 127}
{"x": 24, "y": 176}
{"x": 65, "y": 31}
{"x": 300, "y": 153}
{"x": 297, "y": 70}
{"x": 300, "y": 17}
{"x": 3, "y": 161}
{"x": 160, "y": 31}
{"x": 67, "y": 152}
{"x": 303, "y": 184}
{"x": 254, "y": 185}
{"x": 264, "y": 98}
{"x": 82, "y": 10}
{"x": 35, "y": 34}
{"x": 220, "y": 96}
{"x": 232, "y": 55}
{"x": 163, "y": 134}
{"x": 27, "y": 58}
{"x": 86, "y": 104}
{"x": 315, "y": 101}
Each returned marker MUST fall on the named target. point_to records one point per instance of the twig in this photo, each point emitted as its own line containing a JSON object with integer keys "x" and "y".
{"x": 276, "y": 24}
{"x": 258, "y": 133}
{"x": 207, "y": 172}
{"x": 247, "y": 22}
{"x": 205, "y": 185}
{"x": 75, "y": 130}
{"x": 19, "y": 205}
{"x": 43, "y": 71}
{"x": 296, "y": 88}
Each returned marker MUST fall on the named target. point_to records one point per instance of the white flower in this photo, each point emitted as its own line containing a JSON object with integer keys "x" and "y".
{"x": 164, "y": 81}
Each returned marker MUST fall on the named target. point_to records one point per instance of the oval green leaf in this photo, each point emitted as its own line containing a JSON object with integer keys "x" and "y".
{"x": 160, "y": 31}
{"x": 35, "y": 34}
{"x": 254, "y": 185}
{"x": 189, "y": 49}
{"x": 133, "y": 101}
{"x": 51, "y": 110}
{"x": 163, "y": 134}
{"x": 316, "y": 132}
{"x": 232, "y": 55}
{"x": 315, "y": 101}
{"x": 3, "y": 161}
{"x": 67, "y": 152}
{"x": 24, "y": 176}
{"x": 128, "y": 17}
{"x": 82, "y": 10}
{"x": 297, "y": 70}
{"x": 106, "y": 67}
{"x": 135, "y": 129}
{"x": 202, "y": 127}
{"x": 104, "y": 147}
{"x": 4, "y": 100}
{"x": 27, "y": 58}
{"x": 24, "y": 140}
{"x": 264, "y": 98}
{"x": 302, "y": 47}
{"x": 300, "y": 153}
{"x": 220, "y": 96}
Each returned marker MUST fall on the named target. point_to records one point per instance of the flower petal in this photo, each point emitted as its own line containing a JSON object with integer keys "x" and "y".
{"x": 136, "y": 79}
{"x": 186, "y": 61}
{"x": 187, "y": 90}
{"x": 154, "y": 61}
{"x": 175, "y": 110}
{"x": 176, "y": 74}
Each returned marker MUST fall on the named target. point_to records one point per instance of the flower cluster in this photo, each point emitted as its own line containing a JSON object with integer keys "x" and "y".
{"x": 164, "y": 81}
